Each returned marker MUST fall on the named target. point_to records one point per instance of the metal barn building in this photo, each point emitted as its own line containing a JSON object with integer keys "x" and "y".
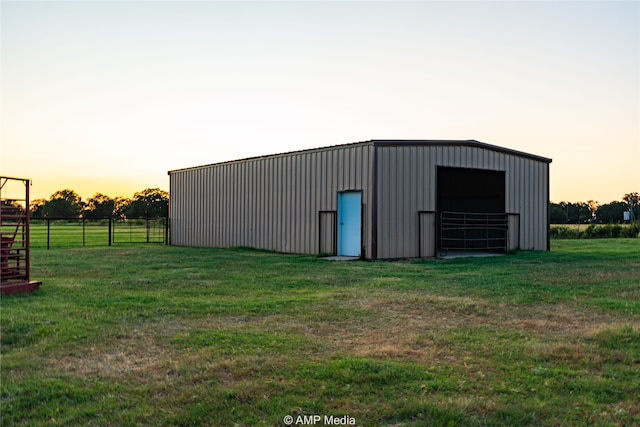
{"x": 379, "y": 199}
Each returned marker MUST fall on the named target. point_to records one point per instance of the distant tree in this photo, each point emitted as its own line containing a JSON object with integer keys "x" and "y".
{"x": 568, "y": 209}
{"x": 570, "y": 212}
{"x": 592, "y": 205}
{"x": 36, "y": 208}
{"x": 120, "y": 206}
{"x": 149, "y": 203}
{"x": 583, "y": 212}
{"x": 63, "y": 204}
{"x": 99, "y": 206}
{"x": 633, "y": 202}
{"x": 611, "y": 213}
{"x": 574, "y": 213}
{"x": 558, "y": 214}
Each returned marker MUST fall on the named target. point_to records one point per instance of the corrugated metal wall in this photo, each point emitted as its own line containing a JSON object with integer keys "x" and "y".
{"x": 406, "y": 185}
{"x": 283, "y": 202}
{"x": 271, "y": 202}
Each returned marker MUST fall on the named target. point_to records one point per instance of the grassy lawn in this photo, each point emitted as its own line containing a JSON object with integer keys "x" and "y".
{"x": 157, "y": 335}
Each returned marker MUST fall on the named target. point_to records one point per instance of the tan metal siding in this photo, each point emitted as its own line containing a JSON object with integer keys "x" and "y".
{"x": 269, "y": 203}
{"x": 274, "y": 202}
{"x": 407, "y": 185}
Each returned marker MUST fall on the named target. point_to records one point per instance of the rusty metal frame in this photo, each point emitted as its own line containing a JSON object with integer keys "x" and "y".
{"x": 15, "y": 280}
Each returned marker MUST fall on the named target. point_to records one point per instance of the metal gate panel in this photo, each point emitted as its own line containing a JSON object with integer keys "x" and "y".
{"x": 473, "y": 231}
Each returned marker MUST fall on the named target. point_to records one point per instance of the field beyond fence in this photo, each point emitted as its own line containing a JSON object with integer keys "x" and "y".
{"x": 162, "y": 335}
{"x": 74, "y": 232}
{"x": 595, "y": 231}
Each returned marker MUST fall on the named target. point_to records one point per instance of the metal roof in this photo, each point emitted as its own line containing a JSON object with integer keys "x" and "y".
{"x": 468, "y": 143}
{"x": 387, "y": 143}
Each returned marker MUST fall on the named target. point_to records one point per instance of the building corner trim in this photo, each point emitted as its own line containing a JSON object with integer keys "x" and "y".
{"x": 374, "y": 205}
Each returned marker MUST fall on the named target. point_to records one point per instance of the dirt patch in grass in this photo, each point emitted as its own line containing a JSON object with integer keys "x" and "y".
{"x": 409, "y": 327}
{"x": 149, "y": 350}
{"x": 417, "y": 327}
{"x": 134, "y": 354}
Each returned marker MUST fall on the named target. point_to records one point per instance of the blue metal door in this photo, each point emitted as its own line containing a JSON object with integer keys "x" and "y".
{"x": 349, "y": 223}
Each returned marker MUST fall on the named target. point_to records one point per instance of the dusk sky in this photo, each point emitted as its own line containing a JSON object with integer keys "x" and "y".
{"x": 108, "y": 96}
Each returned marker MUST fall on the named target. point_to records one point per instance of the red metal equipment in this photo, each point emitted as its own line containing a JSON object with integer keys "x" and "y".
{"x": 14, "y": 238}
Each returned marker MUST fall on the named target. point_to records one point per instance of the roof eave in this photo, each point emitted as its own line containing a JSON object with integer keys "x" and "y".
{"x": 467, "y": 142}
{"x": 388, "y": 142}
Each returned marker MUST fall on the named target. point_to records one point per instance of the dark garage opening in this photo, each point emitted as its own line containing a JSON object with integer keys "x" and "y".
{"x": 471, "y": 209}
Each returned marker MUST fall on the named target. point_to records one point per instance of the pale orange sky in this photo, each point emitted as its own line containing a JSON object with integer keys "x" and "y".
{"x": 108, "y": 96}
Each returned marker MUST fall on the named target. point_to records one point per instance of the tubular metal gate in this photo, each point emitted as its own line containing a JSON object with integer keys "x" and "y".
{"x": 475, "y": 231}
{"x": 70, "y": 232}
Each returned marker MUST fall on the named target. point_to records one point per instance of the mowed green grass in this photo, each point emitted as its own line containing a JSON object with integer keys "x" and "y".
{"x": 157, "y": 335}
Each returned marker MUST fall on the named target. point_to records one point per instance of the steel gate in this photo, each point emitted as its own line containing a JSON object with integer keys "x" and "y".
{"x": 473, "y": 231}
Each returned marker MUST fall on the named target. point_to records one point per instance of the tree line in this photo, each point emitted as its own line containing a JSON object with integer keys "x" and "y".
{"x": 592, "y": 211}
{"x": 153, "y": 202}
{"x": 149, "y": 203}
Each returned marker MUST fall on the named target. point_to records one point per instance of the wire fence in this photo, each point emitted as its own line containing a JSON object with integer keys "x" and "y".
{"x": 74, "y": 232}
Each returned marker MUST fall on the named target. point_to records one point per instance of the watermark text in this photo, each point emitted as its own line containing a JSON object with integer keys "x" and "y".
{"x": 319, "y": 420}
